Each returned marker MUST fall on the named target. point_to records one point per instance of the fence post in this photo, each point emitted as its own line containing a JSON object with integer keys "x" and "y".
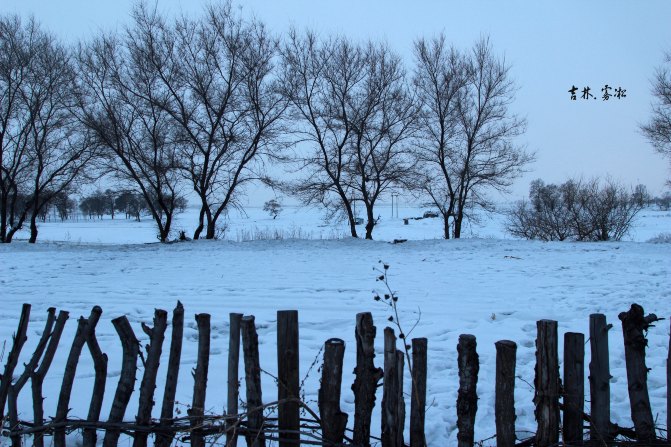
{"x": 574, "y": 387}
{"x": 504, "y": 406}
{"x": 233, "y": 380}
{"x": 288, "y": 417}
{"x": 63, "y": 404}
{"x": 333, "y": 420}
{"x": 164, "y": 439}
{"x": 467, "y": 400}
{"x": 599, "y": 379}
{"x": 634, "y": 323}
{"x": 13, "y": 358}
{"x": 250, "y": 347}
{"x": 547, "y": 383}
{"x": 37, "y": 377}
{"x": 131, "y": 349}
{"x": 400, "y": 401}
{"x": 390, "y": 391}
{"x": 668, "y": 392}
{"x": 148, "y": 384}
{"x": 418, "y": 394}
{"x": 16, "y": 387}
{"x": 100, "y": 367}
{"x": 197, "y": 409}
{"x": 366, "y": 378}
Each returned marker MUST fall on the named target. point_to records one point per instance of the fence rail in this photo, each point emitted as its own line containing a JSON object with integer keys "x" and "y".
{"x": 327, "y": 426}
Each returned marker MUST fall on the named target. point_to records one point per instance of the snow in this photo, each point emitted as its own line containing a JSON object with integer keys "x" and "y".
{"x": 491, "y": 286}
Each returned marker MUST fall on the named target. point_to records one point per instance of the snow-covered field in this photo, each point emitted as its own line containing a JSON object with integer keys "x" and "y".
{"x": 489, "y": 285}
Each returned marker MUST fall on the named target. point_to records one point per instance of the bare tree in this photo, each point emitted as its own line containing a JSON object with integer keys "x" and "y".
{"x": 658, "y": 129}
{"x": 222, "y": 96}
{"x": 319, "y": 80}
{"x": 355, "y": 113}
{"x": 383, "y": 117}
{"x": 47, "y": 153}
{"x": 119, "y": 108}
{"x": 440, "y": 77}
{"x": 468, "y": 129}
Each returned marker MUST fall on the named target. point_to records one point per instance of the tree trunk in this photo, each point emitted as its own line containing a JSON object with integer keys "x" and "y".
{"x": 446, "y": 226}
{"x": 201, "y": 223}
{"x": 370, "y": 224}
{"x": 211, "y": 226}
{"x": 33, "y": 227}
{"x": 3, "y": 217}
{"x": 458, "y": 219}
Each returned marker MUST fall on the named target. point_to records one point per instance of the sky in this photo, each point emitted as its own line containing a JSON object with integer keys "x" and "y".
{"x": 551, "y": 46}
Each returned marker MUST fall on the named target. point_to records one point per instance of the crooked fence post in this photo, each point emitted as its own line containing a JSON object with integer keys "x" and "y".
{"x": 233, "y": 380}
{"x": 504, "y": 406}
{"x": 164, "y": 439}
{"x": 599, "y": 379}
{"x": 13, "y": 358}
{"x": 250, "y": 347}
{"x": 37, "y": 377}
{"x": 288, "y": 417}
{"x": 62, "y": 407}
{"x": 366, "y": 378}
{"x": 131, "y": 349}
{"x": 197, "y": 409}
{"x": 574, "y": 388}
{"x": 333, "y": 420}
{"x": 148, "y": 384}
{"x": 634, "y": 324}
{"x": 467, "y": 400}
{"x": 16, "y": 387}
{"x": 418, "y": 394}
{"x": 100, "y": 367}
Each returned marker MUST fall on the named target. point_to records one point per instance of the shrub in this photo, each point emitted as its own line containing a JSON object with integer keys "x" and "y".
{"x": 590, "y": 211}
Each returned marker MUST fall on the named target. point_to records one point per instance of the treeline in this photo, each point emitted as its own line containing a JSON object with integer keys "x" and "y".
{"x": 207, "y": 104}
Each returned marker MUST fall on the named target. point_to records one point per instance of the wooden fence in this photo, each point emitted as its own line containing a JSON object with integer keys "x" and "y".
{"x": 328, "y": 425}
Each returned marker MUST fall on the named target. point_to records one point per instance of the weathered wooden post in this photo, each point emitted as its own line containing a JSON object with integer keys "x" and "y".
{"x": 668, "y": 392}
{"x": 599, "y": 379}
{"x": 467, "y": 400}
{"x": 288, "y": 417}
{"x": 148, "y": 384}
{"x": 233, "y": 380}
{"x": 37, "y": 377}
{"x": 634, "y": 324}
{"x": 333, "y": 420}
{"x": 504, "y": 405}
{"x": 547, "y": 383}
{"x": 90, "y": 436}
{"x": 164, "y": 439}
{"x": 62, "y": 407}
{"x": 250, "y": 347}
{"x": 19, "y": 340}
{"x": 418, "y": 394}
{"x": 131, "y": 348}
{"x": 400, "y": 401}
{"x": 367, "y": 377}
{"x": 197, "y": 409}
{"x": 390, "y": 393}
{"x": 574, "y": 388}
{"x": 16, "y": 387}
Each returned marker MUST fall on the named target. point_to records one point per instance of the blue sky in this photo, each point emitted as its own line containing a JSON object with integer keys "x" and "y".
{"x": 551, "y": 46}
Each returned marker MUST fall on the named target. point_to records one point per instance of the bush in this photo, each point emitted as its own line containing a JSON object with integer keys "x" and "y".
{"x": 591, "y": 211}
